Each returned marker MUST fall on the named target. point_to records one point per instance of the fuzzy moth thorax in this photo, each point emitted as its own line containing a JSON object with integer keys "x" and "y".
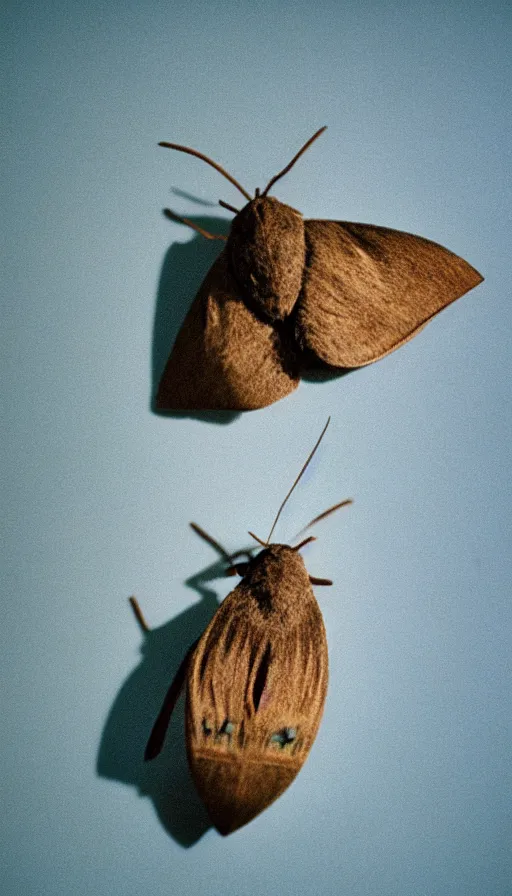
{"x": 267, "y": 251}
{"x": 279, "y": 582}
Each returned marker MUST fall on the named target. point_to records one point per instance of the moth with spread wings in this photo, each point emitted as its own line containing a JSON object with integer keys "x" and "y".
{"x": 285, "y": 289}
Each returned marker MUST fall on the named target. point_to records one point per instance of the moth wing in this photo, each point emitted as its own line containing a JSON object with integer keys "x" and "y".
{"x": 224, "y": 357}
{"x": 248, "y": 683}
{"x": 369, "y": 289}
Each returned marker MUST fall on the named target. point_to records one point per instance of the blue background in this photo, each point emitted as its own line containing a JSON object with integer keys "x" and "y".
{"x": 408, "y": 787}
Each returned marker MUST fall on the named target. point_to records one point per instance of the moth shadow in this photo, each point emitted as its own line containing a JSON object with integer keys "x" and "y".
{"x": 166, "y": 780}
{"x": 184, "y": 268}
{"x": 315, "y": 371}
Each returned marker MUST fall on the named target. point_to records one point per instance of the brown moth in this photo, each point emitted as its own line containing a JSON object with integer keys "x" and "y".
{"x": 287, "y": 294}
{"x": 256, "y": 682}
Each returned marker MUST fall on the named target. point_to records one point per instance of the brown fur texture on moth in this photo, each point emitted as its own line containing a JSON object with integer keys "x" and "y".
{"x": 285, "y": 289}
{"x": 256, "y": 682}
{"x": 224, "y": 356}
{"x": 256, "y": 689}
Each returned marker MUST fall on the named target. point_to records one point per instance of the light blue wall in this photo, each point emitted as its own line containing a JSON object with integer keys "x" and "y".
{"x": 407, "y": 790}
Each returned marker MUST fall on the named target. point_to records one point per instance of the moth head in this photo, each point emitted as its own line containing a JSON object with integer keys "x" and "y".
{"x": 275, "y": 560}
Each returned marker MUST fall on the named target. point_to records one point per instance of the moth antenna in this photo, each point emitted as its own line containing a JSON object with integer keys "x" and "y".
{"x": 211, "y": 541}
{"x": 230, "y": 208}
{"x": 209, "y": 236}
{"x": 322, "y": 516}
{"x": 292, "y": 163}
{"x": 315, "y": 581}
{"x": 263, "y": 543}
{"x": 310, "y": 458}
{"x": 306, "y": 541}
{"x": 199, "y": 155}
{"x": 139, "y": 614}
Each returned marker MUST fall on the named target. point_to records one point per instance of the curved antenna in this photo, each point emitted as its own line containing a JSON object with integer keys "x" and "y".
{"x": 292, "y": 163}
{"x": 310, "y": 458}
{"x": 194, "y": 152}
{"x": 322, "y": 516}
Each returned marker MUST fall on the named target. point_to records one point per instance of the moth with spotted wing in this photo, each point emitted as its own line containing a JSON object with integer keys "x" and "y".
{"x": 286, "y": 293}
{"x": 256, "y": 683}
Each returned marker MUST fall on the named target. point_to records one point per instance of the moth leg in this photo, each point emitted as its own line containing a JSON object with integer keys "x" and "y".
{"x": 211, "y": 541}
{"x": 315, "y": 581}
{"x": 138, "y": 614}
{"x": 159, "y": 730}
{"x": 233, "y": 569}
{"x": 237, "y": 569}
{"x": 209, "y": 236}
